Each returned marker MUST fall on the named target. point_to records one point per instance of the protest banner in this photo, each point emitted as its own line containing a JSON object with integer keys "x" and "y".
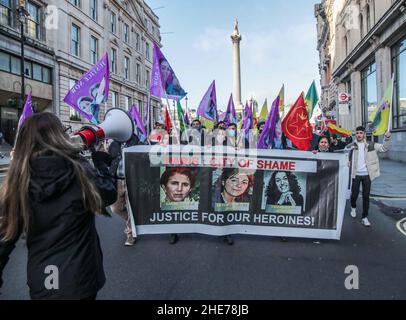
{"x": 220, "y": 191}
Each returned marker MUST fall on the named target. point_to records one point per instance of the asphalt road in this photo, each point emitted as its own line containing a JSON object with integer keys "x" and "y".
{"x": 254, "y": 268}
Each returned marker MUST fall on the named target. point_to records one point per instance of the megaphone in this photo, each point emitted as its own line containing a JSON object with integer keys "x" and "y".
{"x": 117, "y": 125}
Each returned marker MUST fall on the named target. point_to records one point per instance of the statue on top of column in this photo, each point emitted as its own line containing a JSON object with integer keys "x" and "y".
{"x": 236, "y": 36}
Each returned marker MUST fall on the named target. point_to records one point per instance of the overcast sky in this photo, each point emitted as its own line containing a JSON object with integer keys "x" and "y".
{"x": 278, "y": 46}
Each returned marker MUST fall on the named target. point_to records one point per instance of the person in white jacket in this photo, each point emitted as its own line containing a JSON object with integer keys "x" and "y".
{"x": 365, "y": 169}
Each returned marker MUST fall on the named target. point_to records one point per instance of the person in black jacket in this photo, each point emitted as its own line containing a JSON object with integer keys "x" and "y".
{"x": 52, "y": 195}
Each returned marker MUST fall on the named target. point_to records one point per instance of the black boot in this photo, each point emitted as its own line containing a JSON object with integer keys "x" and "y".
{"x": 174, "y": 238}
{"x": 229, "y": 240}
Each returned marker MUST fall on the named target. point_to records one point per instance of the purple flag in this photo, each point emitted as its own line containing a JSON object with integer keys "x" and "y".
{"x": 231, "y": 115}
{"x": 272, "y": 133}
{"x": 186, "y": 119}
{"x": 147, "y": 113}
{"x": 248, "y": 123}
{"x": 164, "y": 83}
{"x": 90, "y": 91}
{"x": 139, "y": 125}
{"x": 27, "y": 111}
{"x": 208, "y": 106}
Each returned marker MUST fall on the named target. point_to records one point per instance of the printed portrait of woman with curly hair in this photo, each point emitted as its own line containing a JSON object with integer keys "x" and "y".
{"x": 284, "y": 190}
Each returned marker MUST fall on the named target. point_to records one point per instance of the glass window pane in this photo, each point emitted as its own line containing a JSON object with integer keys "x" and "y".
{"x": 27, "y": 69}
{"x": 33, "y": 10}
{"x": 46, "y": 75}
{"x": 37, "y": 72}
{"x": 16, "y": 65}
{"x": 402, "y": 87}
{"x": 4, "y": 62}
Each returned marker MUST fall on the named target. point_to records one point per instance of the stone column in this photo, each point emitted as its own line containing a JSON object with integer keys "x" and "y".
{"x": 236, "y": 39}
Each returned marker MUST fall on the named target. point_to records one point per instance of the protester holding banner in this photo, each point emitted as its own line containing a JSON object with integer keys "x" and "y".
{"x": 323, "y": 145}
{"x": 365, "y": 169}
{"x": 52, "y": 195}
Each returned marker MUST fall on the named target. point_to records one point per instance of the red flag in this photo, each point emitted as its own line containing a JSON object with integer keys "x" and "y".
{"x": 296, "y": 125}
{"x": 168, "y": 122}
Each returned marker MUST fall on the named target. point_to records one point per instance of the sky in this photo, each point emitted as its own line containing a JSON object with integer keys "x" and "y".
{"x": 279, "y": 40}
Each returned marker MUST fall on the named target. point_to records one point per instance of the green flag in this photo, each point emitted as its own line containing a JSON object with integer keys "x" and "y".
{"x": 181, "y": 118}
{"x": 311, "y": 99}
{"x": 263, "y": 116}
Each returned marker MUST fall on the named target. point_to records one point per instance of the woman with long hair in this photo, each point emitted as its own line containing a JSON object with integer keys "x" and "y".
{"x": 235, "y": 185}
{"x": 51, "y": 193}
{"x": 177, "y": 183}
{"x": 284, "y": 190}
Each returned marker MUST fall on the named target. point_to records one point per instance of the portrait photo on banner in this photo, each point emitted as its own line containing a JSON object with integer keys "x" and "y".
{"x": 284, "y": 192}
{"x": 232, "y": 189}
{"x": 180, "y": 189}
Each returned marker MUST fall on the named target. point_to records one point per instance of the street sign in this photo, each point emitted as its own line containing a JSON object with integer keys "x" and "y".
{"x": 343, "y": 98}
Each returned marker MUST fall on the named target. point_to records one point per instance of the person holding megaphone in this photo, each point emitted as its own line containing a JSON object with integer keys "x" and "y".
{"x": 52, "y": 194}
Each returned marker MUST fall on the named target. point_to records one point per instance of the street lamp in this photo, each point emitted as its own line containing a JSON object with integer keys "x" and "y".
{"x": 22, "y": 16}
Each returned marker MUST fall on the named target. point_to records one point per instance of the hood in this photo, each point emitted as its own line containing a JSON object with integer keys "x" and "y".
{"x": 50, "y": 176}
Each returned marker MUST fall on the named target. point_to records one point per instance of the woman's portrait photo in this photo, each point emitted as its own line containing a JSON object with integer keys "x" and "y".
{"x": 179, "y": 189}
{"x": 284, "y": 193}
{"x": 232, "y": 189}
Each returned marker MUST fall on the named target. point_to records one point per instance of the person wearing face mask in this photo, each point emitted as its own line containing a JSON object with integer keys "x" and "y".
{"x": 196, "y": 133}
{"x": 232, "y": 135}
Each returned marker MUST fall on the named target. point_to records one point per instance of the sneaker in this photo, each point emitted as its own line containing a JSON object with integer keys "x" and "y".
{"x": 353, "y": 212}
{"x": 366, "y": 222}
{"x": 130, "y": 241}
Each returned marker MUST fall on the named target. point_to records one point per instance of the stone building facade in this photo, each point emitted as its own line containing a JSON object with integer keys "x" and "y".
{"x": 362, "y": 43}
{"x": 64, "y": 38}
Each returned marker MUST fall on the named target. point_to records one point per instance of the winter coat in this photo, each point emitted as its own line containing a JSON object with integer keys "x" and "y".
{"x": 62, "y": 231}
{"x": 371, "y": 157}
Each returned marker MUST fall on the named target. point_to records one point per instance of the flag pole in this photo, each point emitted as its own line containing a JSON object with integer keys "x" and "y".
{"x": 391, "y": 103}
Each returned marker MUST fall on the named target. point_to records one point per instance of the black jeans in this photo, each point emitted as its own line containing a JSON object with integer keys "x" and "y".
{"x": 366, "y": 190}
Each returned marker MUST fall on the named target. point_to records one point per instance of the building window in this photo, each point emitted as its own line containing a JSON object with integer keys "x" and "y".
{"x": 369, "y": 92}
{"x": 75, "y": 3}
{"x": 114, "y": 99}
{"x": 138, "y": 73}
{"x": 127, "y": 68}
{"x": 93, "y": 9}
{"x": 113, "y": 60}
{"x": 32, "y": 70}
{"x": 113, "y": 22}
{"x": 33, "y": 20}
{"x": 73, "y": 114}
{"x": 147, "y": 50}
{"x": 5, "y": 12}
{"x": 75, "y": 36}
{"x": 126, "y": 33}
{"x": 137, "y": 42}
{"x": 147, "y": 78}
{"x": 399, "y": 68}
{"x": 93, "y": 50}
{"x": 127, "y": 103}
{"x": 361, "y": 25}
{"x": 368, "y": 10}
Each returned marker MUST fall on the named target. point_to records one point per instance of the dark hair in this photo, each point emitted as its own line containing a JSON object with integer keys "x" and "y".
{"x": 232, "y": 124}
{"x": 260, "y": 124}
{"x": 321, "y": 138}
{"x": 41, "y": 134}
{"x": 196, "y": 120}
{"x": 360, "y": 128}
{"x": 172, "y": 171}
{"x": 219, "y": 123}
{"x": 228, "y": 173}
{"x": 273, "y": 192}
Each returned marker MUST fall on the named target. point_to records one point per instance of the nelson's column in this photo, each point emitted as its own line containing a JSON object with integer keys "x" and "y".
{"x": 236, "y": 39}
